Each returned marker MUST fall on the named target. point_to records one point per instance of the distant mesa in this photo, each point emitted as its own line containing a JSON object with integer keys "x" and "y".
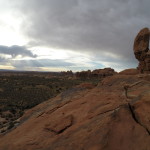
{"x": 98, "y": 73}
{"x": 141, "y": 50}
{"x": 89, "y": 74}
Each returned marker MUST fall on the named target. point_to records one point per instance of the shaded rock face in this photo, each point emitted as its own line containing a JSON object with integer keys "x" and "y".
{"x": 115, "y": 115}
{"x": 141, "y": 50}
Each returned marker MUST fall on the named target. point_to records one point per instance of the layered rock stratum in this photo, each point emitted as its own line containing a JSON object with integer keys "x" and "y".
{"x": 114, "y": 115}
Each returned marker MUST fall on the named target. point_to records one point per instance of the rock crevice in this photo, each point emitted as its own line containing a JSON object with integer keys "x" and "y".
{"x": 136, "y": 119}
{"x": 131, "y": 108}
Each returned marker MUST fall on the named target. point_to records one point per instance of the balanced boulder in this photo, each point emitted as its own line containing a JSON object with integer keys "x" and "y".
{"x": 141, "y": 50}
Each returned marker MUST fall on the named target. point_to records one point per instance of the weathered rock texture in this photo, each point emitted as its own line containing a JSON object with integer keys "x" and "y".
{"x": 141, "y": 50}
{"x": 115, "y": 115}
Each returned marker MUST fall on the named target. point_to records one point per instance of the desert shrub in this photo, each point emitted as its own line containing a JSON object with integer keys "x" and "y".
{"x": 2, "y": 131}
{"x": 26, "y": 91}
{"x": 13, "y": 110}
{"x": 20, "y": 113}
{"x": 11, "y": 125}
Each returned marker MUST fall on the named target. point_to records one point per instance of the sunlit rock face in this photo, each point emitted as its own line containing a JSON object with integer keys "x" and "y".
{"x": 141, "y": 50}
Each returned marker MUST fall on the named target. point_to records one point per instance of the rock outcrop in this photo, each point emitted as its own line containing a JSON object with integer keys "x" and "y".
{"x": 141, "y": 50}
{"x": 98, "y": 73}
{"x": 112, "y": 116}
{"x": 83, "y": 74}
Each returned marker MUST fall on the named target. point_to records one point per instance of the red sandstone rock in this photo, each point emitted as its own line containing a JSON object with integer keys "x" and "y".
{"x": 102, "y": 118}
{"x": 83, "y": 74}
{"x": 141, "y": 50}
{"x": 103, "y": 72}
{"x": 141, "y": 42}
{"x": 59, "y": 125}
{"x": 86, "y": 85}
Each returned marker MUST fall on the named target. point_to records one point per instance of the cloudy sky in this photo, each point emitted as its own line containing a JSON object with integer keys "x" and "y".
{"x": 56, "y": 35}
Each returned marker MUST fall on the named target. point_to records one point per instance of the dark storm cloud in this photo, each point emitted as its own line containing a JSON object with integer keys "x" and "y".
{"x": 98, "y": 27}
{"x": 86, "y": 25}
{"x": 15, "y": 51}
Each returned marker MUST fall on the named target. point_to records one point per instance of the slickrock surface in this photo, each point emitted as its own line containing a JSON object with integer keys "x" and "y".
{"x": 131, "y": 71}
{"x": 115, "y": 115}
